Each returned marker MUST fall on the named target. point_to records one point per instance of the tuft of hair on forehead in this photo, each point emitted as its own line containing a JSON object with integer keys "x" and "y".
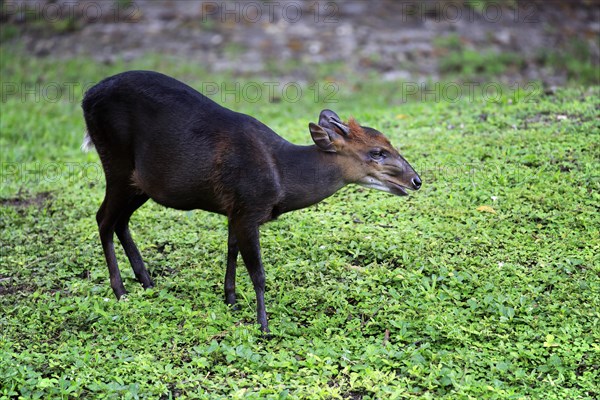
{"x": 354, "y": 126}
{"x": 356, "y": 131}
{"x": 363, "y": 134}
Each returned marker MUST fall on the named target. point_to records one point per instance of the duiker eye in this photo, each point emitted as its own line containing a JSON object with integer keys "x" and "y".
{"x": 377, "y": 155}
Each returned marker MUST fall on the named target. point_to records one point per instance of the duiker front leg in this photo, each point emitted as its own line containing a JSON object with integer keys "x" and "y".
{"x": 248, "y": 241}
{"x": 232, "y": 253}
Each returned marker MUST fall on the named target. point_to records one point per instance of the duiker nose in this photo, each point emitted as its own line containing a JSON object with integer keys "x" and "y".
{"x": 416, "y": 182}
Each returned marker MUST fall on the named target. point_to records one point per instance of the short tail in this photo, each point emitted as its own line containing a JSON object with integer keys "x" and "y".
{"x": 87, "y": 144}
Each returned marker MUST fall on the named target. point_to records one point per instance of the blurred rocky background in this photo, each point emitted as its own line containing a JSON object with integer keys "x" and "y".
{"x": 554, "y": 42}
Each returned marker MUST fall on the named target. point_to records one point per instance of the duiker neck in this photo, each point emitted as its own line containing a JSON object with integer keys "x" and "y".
{"x": 307, "y": 176}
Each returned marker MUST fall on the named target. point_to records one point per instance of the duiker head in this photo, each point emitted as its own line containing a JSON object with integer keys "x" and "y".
{"x": 367, "y": 156}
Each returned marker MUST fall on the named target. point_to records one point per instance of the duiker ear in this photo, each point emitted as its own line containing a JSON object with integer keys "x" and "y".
{"x": 330, "y": 120}
{"x": 322, "y": 137}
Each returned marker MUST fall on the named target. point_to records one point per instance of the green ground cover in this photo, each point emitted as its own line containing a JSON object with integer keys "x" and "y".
{"x": 484, "y": 284}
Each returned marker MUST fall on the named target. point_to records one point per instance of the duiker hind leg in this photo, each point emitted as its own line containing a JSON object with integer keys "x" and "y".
{"x": 117, "y": 202}
{"x": 131, "y": 250}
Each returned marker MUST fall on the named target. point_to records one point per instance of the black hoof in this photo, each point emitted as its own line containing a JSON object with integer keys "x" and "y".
{"x": 230, "y": 300}
{"x": 233, "y": 305}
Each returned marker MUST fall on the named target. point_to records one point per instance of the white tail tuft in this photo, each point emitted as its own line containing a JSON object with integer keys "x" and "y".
{"x": 87, "y": 144}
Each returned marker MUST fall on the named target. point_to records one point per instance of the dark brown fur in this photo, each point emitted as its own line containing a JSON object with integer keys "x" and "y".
{"x": 158, "y": 138}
